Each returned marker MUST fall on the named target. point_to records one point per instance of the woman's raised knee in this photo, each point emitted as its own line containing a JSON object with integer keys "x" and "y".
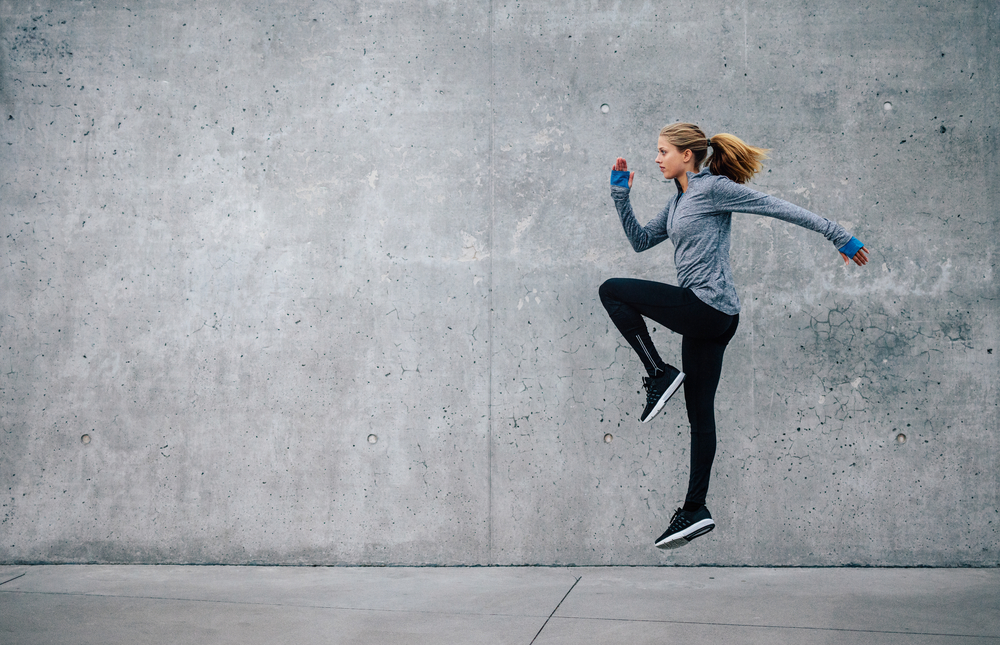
{"x": 608, "y": 289}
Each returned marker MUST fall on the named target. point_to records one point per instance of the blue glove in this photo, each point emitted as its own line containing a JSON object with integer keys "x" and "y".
{"x": 619, "y": 178}
{"x": 848, "y": 249}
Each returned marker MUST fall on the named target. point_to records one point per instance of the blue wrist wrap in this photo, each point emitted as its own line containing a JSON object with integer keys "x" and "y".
{"x": 619, "y": 178}
{"x": 851, "y": 247}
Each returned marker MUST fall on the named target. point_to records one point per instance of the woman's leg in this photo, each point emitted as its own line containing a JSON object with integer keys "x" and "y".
{"x": 702, "y": 362}
{"x": 628, "y": 300}
{"x": 706, "y": 333}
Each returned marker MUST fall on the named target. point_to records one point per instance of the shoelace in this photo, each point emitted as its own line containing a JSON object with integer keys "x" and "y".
{"x": 651, "y": 394}
{"x": 679, "y": 519}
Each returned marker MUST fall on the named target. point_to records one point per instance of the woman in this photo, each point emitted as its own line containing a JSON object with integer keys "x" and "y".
{"x": 704, "y": 308}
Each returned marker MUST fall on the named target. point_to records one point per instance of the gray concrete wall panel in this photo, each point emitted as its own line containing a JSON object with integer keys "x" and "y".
{"x": 318, "y": 281}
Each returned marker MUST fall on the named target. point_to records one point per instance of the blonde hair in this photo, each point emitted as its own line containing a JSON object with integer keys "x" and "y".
{"x": 731, "y": 156}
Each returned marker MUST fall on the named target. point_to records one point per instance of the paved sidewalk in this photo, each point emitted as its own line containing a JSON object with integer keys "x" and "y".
{"x": 106, "y": 605}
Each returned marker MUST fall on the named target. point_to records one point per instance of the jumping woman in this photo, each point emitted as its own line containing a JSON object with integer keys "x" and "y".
{"x": 704, "y": 309}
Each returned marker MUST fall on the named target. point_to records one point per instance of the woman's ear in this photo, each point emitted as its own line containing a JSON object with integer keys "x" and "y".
{"x": 688, "y": 155}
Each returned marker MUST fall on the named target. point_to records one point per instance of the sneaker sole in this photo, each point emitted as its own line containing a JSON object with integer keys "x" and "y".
{"x": 681, "y": 538}
{"x": 666, "y": 397}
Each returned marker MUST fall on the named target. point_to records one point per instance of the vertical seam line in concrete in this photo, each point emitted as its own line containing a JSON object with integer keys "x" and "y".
{"x": 746, "y": 19}
{"x": 750, "y": 298}
{"x": 489, "y": 298}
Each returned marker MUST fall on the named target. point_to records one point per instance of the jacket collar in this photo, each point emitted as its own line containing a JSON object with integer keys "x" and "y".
{"x": 704, "y": 172}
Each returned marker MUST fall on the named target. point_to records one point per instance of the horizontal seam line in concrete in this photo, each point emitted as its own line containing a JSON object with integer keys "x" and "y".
{"x": 267, "y": 604}
{"x": 820, "y": 629}
{"x": 486, "y": 567}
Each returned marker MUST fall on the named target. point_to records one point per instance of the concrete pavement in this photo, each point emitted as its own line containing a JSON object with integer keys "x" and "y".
{"x": 82, "y": 604}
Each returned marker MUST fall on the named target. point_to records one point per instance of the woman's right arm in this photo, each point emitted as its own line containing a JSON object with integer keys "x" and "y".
{"x": 641, "y": 237}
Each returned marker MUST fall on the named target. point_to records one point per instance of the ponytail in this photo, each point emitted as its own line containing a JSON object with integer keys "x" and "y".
{"x": 735, "y": 159}
{"x": 731, "y": 157}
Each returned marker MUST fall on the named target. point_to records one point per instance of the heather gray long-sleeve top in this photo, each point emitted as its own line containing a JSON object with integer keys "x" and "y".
{"x": 698, "y": 222}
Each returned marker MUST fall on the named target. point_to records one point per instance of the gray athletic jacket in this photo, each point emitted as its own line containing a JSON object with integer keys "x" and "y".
{"x": 698, "y": 222}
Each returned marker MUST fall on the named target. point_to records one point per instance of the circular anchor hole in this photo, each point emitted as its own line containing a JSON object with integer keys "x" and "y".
{"x": 372, "y": 438}
{"x": 605, "y": 108}
{"x": 887, "y": 106}
{"x": 608, "y": 438}
{"x": 901, "y": 438}
{"x": 85, "y": 439}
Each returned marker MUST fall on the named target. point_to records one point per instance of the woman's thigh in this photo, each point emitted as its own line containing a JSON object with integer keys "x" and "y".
{"x": 677, "y": 308}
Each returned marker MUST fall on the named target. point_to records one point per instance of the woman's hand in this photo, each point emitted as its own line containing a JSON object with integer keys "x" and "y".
{"x": 860, "y": 258}
{"x": 622, "y": 165}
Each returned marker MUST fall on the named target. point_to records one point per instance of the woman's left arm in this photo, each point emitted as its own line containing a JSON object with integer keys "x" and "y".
{"x": 728, "y": 196}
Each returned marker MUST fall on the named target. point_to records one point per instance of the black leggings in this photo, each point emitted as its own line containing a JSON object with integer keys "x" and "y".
{"x": 705, "y": 333}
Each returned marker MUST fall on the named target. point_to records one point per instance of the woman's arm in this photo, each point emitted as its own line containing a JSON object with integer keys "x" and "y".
{"x": 641, "y": 237}
{"x": 728, "y": 196}
{"x": 860, "y": 256}
{"x": 622, "y": 166}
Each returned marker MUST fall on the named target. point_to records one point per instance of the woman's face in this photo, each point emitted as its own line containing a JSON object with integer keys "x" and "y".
{"x": 672, "y": 162}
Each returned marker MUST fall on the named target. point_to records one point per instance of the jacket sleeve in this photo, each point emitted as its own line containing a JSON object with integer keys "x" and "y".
{"x": 641, "y": 237}
{"x": 728, "y": 196}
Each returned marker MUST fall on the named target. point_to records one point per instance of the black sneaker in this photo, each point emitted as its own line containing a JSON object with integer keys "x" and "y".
{"x": 684, "y": 527}
{"x": 658, "y": 390}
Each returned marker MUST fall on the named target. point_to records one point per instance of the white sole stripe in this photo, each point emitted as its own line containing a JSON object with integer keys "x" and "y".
{"x": 680, "y": 538}
{"x": 666, "y": 395}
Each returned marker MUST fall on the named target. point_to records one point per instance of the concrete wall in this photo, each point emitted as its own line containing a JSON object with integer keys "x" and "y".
{"x": 318, "y": 280}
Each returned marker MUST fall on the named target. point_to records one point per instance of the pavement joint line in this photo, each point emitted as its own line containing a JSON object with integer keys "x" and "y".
{"x": 272, "y": 604}
{"x": 555, "y": 610}
{"x": 818, "y": 629}
{"x": 499, "y": 615}
{"x": 13, "y": 579}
